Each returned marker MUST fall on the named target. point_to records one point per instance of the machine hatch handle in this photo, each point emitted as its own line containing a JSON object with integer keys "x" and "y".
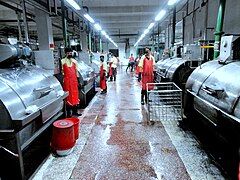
{"x": 43, "y": 89}
{"x": 213, "y": 91}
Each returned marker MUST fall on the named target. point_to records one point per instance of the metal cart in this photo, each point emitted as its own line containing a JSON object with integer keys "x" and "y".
{"x": 164, "y": 101}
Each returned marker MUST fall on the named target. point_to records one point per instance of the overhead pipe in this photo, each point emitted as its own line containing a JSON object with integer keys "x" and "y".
{"x": 219, "y": 28}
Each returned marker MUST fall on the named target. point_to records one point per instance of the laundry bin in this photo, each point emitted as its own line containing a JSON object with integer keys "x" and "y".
{"x": 63, "y": 137}
{"x": 76, "y": 122}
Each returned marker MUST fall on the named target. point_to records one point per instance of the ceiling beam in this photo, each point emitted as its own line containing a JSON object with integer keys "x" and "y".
{"x": 116, "y": 3}
{"x": 124, "y": 9}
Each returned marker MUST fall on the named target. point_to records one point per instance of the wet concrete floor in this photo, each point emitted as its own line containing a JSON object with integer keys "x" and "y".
{"x": 116, "y": 142}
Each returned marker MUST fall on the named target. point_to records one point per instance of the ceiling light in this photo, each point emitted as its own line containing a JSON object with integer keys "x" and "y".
{"x": 142, "y": 36}
{"x": 146, "y": 31}
{"x": 150, "y": 26}
{"x": 89, "y": 18}
{"x": 97, "y": 27}
{"x": 73, "y": 4}
{"x": 104, "y": 33}
{"x": 160, "y": 15}
{"x": 172, "y": 2}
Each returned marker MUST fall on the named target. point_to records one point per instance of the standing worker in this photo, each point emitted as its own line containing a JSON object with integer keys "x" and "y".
{"x": 113, "y": 68}
{"x": 70, "y": 82}
{"x": 103, "y": 79}
{"x": 131, "y": 63}
{"x": 146, "y": 74}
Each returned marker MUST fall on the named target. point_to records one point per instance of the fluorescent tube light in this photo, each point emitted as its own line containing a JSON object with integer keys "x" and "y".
{"x": 160, "y": 15}
{"x": 89, "y": 18}
{"x": 150, "y": 26}
{"x": 73, "y": 4}
{"x": 146, "y": 31}
{"x": 97, "y": 27}
{"x": 172, "y": 2}
{"x": 103, "y": 33}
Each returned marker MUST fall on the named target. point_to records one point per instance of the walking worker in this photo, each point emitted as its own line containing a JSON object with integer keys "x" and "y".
{"x": 70, "y": 82}
{"x": 131, "y": 63}
{"x": 103, "y": 79}
{"x": 136, "y": 64}
{"x": 113, "y": 68}
{"x": 146, "y": 74}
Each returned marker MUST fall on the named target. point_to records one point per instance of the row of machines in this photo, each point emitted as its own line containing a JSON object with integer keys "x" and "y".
{"x": 86, "y": 77}
{"x": 179, "y": 67}
{"x": 211, "y": 89}
{"x": 31, "y": 99}
{"x": 213, "y": 92}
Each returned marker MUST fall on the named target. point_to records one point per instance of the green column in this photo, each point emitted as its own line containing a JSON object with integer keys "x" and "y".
{"x": 219, "y": 27}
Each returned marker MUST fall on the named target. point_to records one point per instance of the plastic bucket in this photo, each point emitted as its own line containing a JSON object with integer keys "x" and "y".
{"x": 76, "y": 122}
{"x": 63, "y": 137}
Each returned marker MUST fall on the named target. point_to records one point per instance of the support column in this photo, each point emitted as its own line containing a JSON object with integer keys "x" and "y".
{"x": 45, "y": 56}
{"x": 84, "y": 44}
{"x": 90, "y": 41}
{"x": 44, "y": 30}
{"x": 25, "y": 21}
{"x": 64, "y": 24}
{"x": 19, "y": 26}
{"x": 219, "y": 27}
{"x": 174, "y": 26}
{"x": 100, "y": 44}
{"x": 158, "y": 40}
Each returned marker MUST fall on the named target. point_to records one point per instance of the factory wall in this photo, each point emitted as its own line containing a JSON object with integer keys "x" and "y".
{"x": 198, "y": 20}
{"x": 194, "y": 28}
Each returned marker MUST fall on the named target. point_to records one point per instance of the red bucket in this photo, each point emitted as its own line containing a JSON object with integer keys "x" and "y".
{"x": 63, "y": 135}
{"x": 76, "y": 122}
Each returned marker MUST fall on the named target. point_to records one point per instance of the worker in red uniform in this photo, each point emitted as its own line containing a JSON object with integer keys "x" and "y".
{"x": 146, "y": 74}
{"x": 103, "y": 79}
{"x": 136, "y": 64}
{"x": 70, "y": 82}
{"x": 131, "y": 63}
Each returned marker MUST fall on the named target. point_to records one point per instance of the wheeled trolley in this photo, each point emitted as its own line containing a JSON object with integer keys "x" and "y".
{"x": 164, "y": 101}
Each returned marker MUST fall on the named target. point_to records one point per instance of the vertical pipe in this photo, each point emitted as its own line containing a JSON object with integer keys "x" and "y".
{"x": 100, "y": 44}
{"x": 206, "y": 22}
{"x": 183, "y": 30}
{"x": 49, "y": 6}
{"x": 174, "y": 26}
{"x": 219, "y": 27}
{"x": 158, "y": 41}
{"x": 90, "y": 41}
{"x": 19, "y": 26}
{"x": 64, "y": 23}
{"x": 25, "y": 21}
{"x": 55, "y": 6}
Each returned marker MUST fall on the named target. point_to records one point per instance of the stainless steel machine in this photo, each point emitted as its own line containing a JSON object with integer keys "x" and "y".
{"x": 178, "y": 69}
{"x": 87, "y": 80}
{"x": 30, "y": 101}
{"x": 213, "y": 93}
